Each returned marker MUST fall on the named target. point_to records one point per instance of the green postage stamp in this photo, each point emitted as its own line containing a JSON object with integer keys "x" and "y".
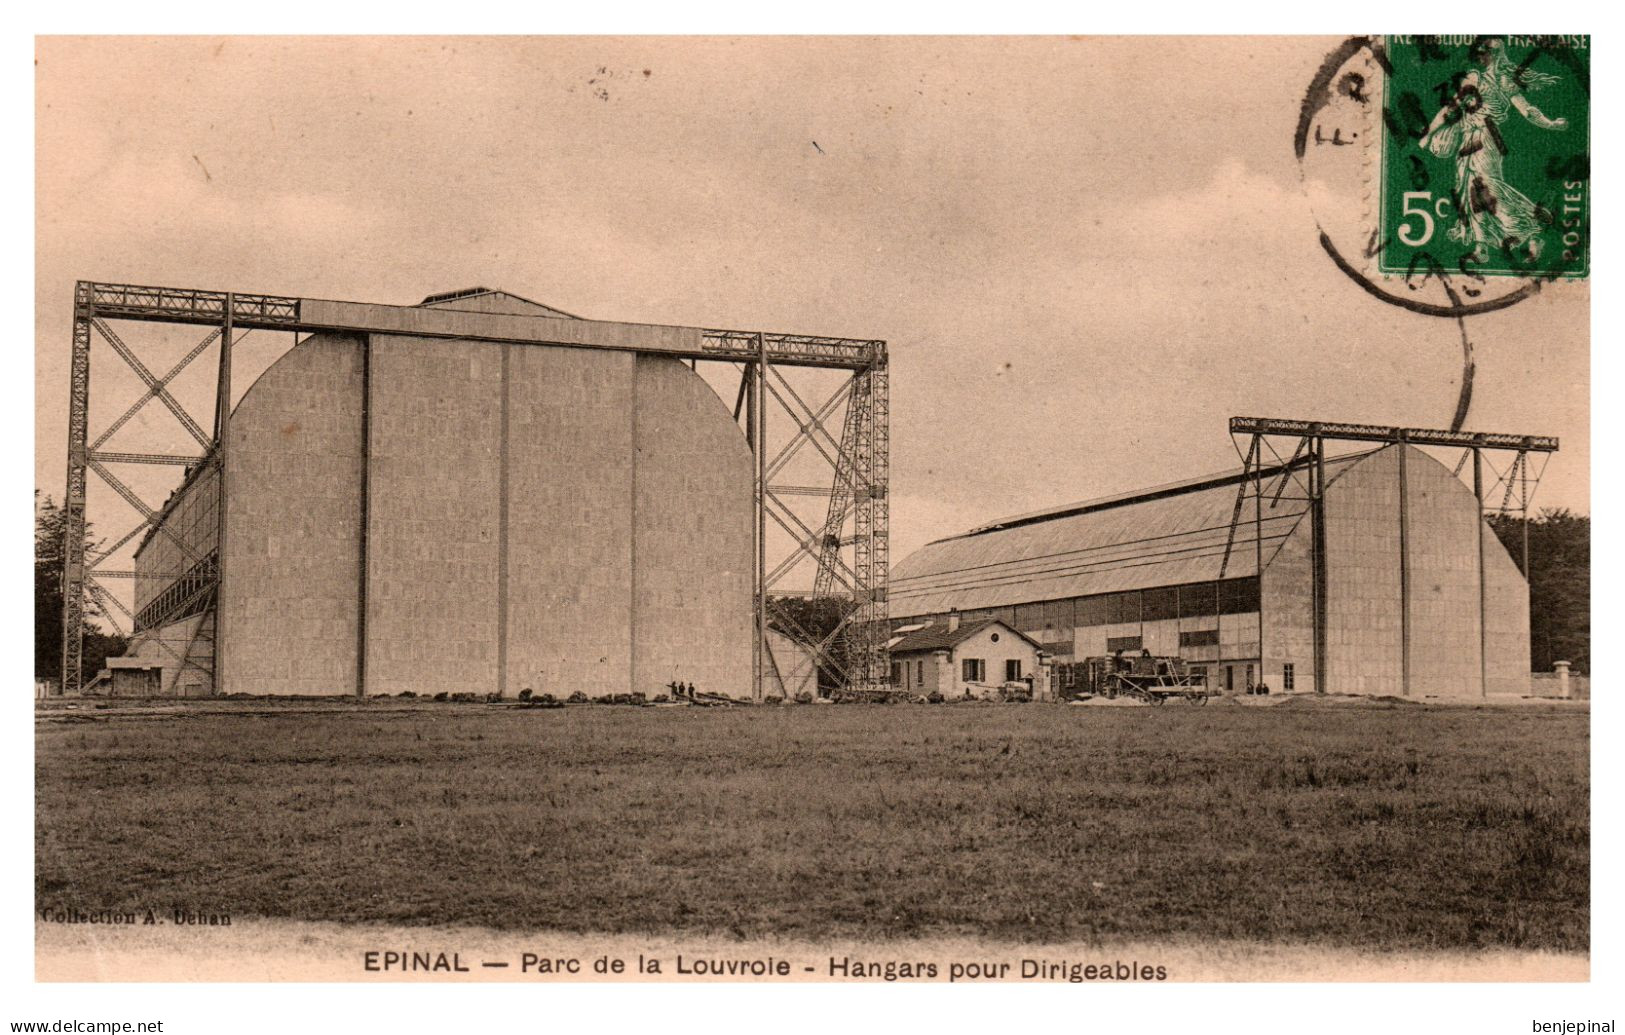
{"x": 1485, "y": 163}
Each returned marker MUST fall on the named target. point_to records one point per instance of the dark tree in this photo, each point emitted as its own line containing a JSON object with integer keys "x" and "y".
{"x": 1559, "y": 584}
{"x": 810, "y": 620}
{"x": 801, "y": 617}
{"x": 50, "y": 521}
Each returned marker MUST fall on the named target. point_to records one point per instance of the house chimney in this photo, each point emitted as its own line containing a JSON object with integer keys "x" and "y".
{"x": 953, "y": 619}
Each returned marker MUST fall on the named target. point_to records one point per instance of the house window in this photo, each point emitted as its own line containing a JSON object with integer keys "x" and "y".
{"x": 1287, "y": 682}
{"x": 972, "y": 670}
{"x": 1012, "y": 670}
{"x": 1199, "y": 638}
{"x": 1230, "y": 679}
{"x": 1249, "y": 679}
{"x": 897, "y": 673}
{"x": 1117, "y": 643}
{"x": 919, "y": 672}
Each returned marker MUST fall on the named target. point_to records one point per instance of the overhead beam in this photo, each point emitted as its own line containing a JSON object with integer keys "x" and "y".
{"x": 1381, "y": 433}
{"x": 287, "y": 313}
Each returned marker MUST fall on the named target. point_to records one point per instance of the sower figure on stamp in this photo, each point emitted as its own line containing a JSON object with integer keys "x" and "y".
{"x": 1494, "y": 214}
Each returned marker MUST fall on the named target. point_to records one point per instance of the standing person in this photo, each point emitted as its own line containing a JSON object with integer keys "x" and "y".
{"x": 690, "y": 688}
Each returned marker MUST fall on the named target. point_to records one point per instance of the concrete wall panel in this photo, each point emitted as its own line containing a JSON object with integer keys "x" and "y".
{"x": 433, "y": 516}
{"x": 1508, "y": 620}
{"x": 569, "y": 521}
{"x": 293, "y": 525}
{"x": 1452, "y": 564}
{"x": 1363, "y": 588}
{"x": 1287, "y": 596}
{"x": 693, "y": 541}
{"x": 1444, "y": 582}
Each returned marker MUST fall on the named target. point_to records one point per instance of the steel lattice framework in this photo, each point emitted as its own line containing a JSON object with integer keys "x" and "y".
{"x": 1303, "y": 468}
{"x": 858, "y": 461}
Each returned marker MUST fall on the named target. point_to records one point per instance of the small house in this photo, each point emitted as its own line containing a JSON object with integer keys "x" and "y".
{"x": 966, "y": 659}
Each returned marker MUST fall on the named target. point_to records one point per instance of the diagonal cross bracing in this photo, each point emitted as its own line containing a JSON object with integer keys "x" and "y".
{"x": 153, "y": 385}
{"x": 153, "y": 517}
{"x": 153, "y": 390}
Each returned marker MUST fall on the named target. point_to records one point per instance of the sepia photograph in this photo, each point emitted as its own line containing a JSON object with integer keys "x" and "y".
{"x": 1020, "y": 510}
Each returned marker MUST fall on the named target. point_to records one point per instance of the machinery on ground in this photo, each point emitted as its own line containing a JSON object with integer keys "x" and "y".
{"x": 1142, "y": 676}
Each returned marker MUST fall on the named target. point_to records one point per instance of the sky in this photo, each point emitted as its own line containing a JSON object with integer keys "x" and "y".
{"x": 1085, "y": 254}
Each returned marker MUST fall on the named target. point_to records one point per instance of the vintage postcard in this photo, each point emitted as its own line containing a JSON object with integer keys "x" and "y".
{"x": 961, "y": 510}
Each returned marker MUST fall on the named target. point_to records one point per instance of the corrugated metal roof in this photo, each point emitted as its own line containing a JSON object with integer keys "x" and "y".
{"x": 1228, "y": 477}
{"x": 936, "y": 636}
{"x": 1169, "y": 535}
{"x": 491, "y": 300}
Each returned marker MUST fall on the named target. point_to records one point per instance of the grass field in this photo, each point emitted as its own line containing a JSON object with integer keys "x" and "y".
{"x": 1365, "y": 825}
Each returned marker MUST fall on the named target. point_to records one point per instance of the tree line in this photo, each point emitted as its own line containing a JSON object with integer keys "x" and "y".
{"x": 1559, "y": 583}
{"x": 50, "y": 525}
